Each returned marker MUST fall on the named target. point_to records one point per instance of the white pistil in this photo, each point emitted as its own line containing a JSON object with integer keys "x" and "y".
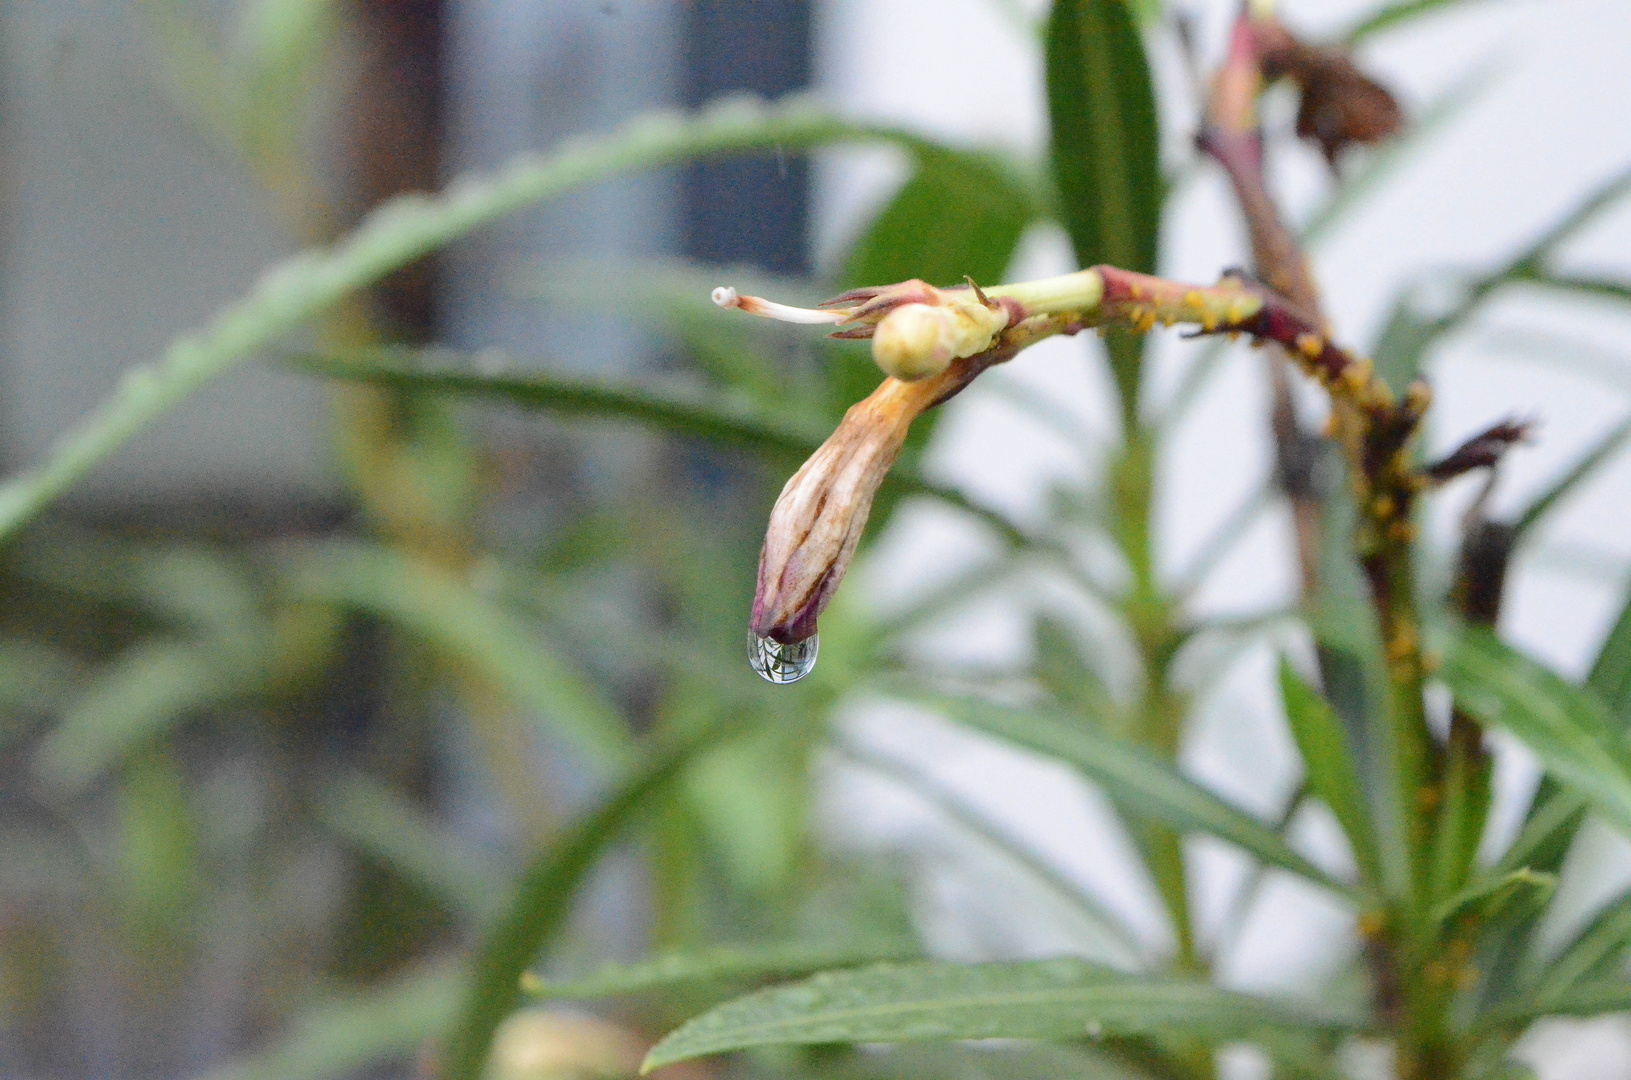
{"x": 727, "y": 297}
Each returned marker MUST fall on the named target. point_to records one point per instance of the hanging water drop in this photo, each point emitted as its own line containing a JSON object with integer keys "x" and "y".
{"x": 782, "y": 663}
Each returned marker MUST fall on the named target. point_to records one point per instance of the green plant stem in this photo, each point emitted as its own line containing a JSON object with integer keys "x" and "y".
{"x": 1157, "y": 718}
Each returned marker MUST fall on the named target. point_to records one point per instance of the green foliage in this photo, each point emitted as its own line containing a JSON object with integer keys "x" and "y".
{"x": 1332, "y": 774}
{"x": 310, "y": 284}
{"x": 544, "y": 896}
{"x": 1057, "y": 999}
{"x": 728, "y": 964}
{"x": 1140, "y": 784}
{"x": 1105, "y": 149}
{"x": 1568, "y": 729}
{"x": 611, "y": 638}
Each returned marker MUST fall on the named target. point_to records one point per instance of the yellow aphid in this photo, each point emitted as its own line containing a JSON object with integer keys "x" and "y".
{"x": 1310, "y": 345}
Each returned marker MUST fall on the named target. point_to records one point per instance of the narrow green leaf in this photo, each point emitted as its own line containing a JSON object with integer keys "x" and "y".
{"x": 1395, "y": 14}
{"x": 674, "y": 410}
{"x": 543, "y": 899}
{"x": 387, "y": 826}
{"x": 1568, "y": 729}
{"x": 1577, "y": 474}
{"x": 392, "y": 236}
{"x": 1408, "y": 334}
{"x": 1490, "y": 894}
{"x": 1585, "y": 285}
{"x": 158, "y": 857}
{"x": 1105, "y": 150}
{"x": 708, "y": 416}
{"x": 687, "y": 970}
{"x": 491, "y": 639}
{"x": 1332, "y": 775}
{"x": 1610, "y": 676}
{"x": 1140, "y": 784}
{"x": 1106, "y": 139}
{"x": 341, "y": 1035}
{"x": 1045, "y": 999}
{"x": 1587, "y": 999}
{"x": 1595, "y": 953}
{"x": 133, "y": 700}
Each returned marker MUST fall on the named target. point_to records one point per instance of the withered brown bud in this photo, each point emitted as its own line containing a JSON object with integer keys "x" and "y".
{"x": 1481, "y": 451}
{"x": 1340, "y": 104}
{"x": 821, "y": 513}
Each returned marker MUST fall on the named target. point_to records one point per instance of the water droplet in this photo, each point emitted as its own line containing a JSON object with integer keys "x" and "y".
{"x": 779, "y": 663}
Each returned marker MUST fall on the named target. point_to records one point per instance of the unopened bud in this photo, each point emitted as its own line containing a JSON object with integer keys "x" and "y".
{"x": 914, "y": 341}
{"x": 917, "y": 341}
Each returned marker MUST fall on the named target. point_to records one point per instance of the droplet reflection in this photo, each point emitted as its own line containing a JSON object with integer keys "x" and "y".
{"x": 782, "y": 664}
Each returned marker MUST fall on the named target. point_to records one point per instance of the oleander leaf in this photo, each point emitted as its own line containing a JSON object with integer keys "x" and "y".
{"x": 1105, "y": 148}
{"x": 1567, "y": 728}
{"x": 727, "y": 964}
{"x": 1328, "y": 760}
{"x": 932, "y": 1000}
{"x": 396, "y": 233}
{"x": 1142, "y": 785}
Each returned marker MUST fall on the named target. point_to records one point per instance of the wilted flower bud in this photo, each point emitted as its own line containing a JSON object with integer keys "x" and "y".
{"x": 821, "y": 513}
{"x": 1340, "y": 104}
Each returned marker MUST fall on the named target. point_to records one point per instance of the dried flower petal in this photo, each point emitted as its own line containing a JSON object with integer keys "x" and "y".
{"x": 821, "y": 513}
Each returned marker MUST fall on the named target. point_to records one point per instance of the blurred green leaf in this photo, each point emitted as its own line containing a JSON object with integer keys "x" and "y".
{"x": 487, "y": 637}
{"x": 960, "y": 213}
{"x": 1044, "y": 999}
{"x": 192, "y": 585}
{"x": 1106, "y": 139}
{"x": 675, "y": 410}
{"x": 1106, "y": 150}
{"x": 158, "y": 857}
{"x": 543, "y": 898}
{"x": 1577, "y": 474}
{"x": 732, "y": 963}
{"x": 387, "y": 826}
{"x": 1610, "y": 675}
{"x": 753, "y": 801}
{"x": 1137, "y": 782}
{"x": 1409, "y": 332}
{"x": 34, "y": 678}
{"x": 688, "y": 412}
{"x": 133, "y": 700}
{"x": 1328, "y": 759}
{"x": 1585, "y": 285}
{"x": 1596, "y": 953}
{"x": 1587, "y": 999}
{"x": 1566, "y": 728}
{"x": 393, "y": 235}
{"x": 339, "y": 1036}
{"x": 1489, "y": 895}
{"x": 1395, "y": 14}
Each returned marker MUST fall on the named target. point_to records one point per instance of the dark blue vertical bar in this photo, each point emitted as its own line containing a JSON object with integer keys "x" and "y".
{"x": 748, "y": 210}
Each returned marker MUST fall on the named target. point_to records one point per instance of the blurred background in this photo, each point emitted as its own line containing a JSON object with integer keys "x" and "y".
{"x": 251, "y": 767}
